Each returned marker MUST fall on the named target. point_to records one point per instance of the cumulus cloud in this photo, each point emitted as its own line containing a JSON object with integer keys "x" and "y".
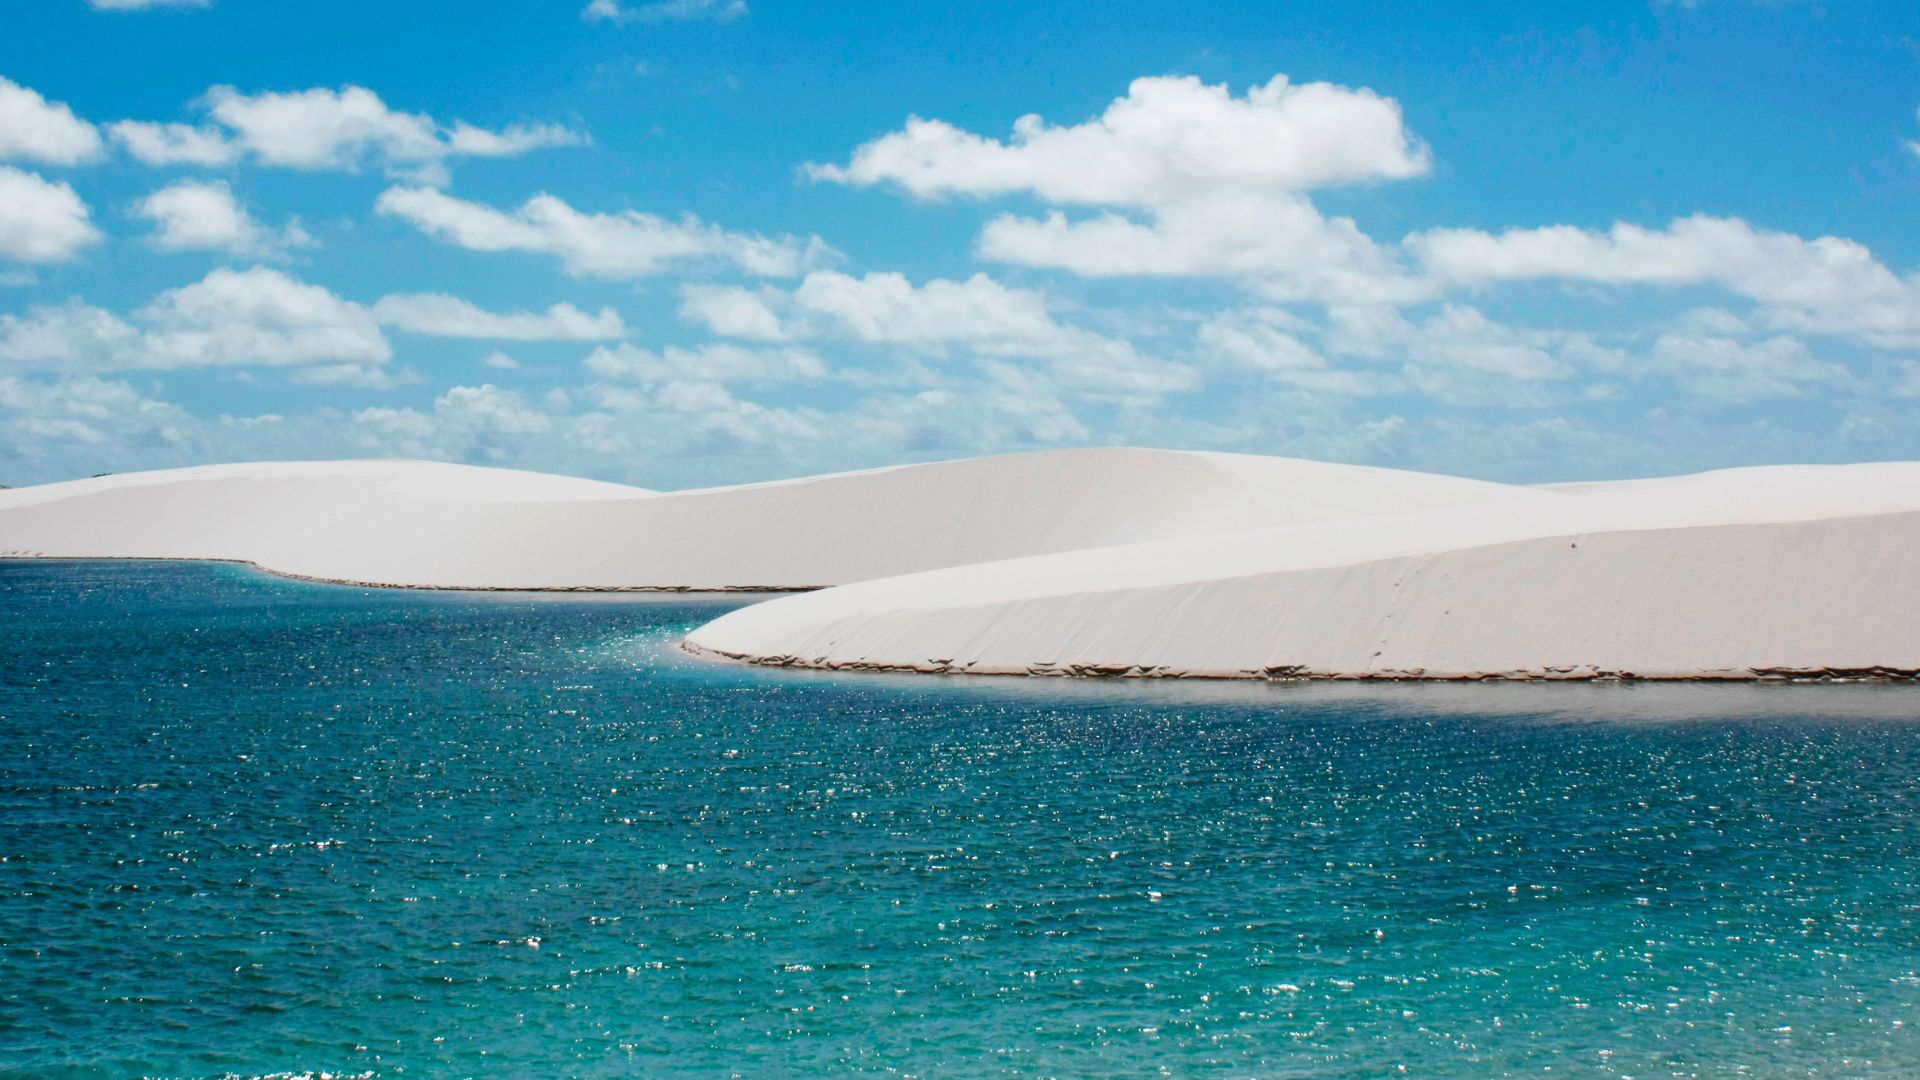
{"x": 685, "y": 417}
{"x": 228, "y": 318}
{"x": 1459, "y": 355}
{"x": 1827, "y": 284}
{"x": 465, "y": 423}
{"x": 1198, "y": 182}
{"x": 258, "y": 316}
{"x": 1280, "y": 243}
{"x": 1453, "y": 353}
{"x": 1267, "y": 342}
{"x": 323, "y": 128}
{"x": 73, "y": 426}
{"x": 204, "y": 216}
{"x": 35, "y": 129}
{"x": 978, "y": 315}
{"x": 1458, "y": 338}
{"x": 664, "y": 11}
{"x": 440, "y": 315}
{"x": 41, "y": 221}
{"x": 175, "y": 144}
{"x": 70, "y": 336}
{"x": 265, "y": 317}
{"x": 731, "y": 311}
{"x": 629, "y": 244}
{"x": 1727, "y": 370}
{"x": 1170, "y": 139}
{"x": 717, "y": 362}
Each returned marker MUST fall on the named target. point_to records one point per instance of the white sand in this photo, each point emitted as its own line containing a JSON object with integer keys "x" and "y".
{"x": 1108, "y": 561}
{"x": 447, "y": 526}
{"x": 1800, "y": 571}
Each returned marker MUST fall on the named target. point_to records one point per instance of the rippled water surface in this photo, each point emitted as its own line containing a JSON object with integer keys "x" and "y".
{"x": 250, "y": 826}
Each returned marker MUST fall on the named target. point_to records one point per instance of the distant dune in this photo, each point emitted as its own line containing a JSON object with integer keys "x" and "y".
{"x": 1107, "y": 561}
{"x": 429, "y": 525}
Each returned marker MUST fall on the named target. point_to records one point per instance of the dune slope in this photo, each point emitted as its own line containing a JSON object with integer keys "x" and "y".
{"x": 431, "y": 525}
{"x": 1794, "y": 571}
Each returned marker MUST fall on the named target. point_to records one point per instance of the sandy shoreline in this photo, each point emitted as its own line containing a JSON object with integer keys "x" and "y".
{"x": 1295, "y": 674}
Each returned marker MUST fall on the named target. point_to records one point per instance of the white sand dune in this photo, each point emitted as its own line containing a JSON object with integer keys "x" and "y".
{"x": 1788, "y": 571}
{"x": 432, "y": 525}
{"x": 1107, "y": 561}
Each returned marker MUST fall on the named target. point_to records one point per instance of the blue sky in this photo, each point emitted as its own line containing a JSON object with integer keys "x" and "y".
{"x": 707, "y": 241}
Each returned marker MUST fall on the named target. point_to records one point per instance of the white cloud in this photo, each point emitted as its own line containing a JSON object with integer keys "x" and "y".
{"x": 74, "y": 426}
{"x": 41, "y": 220}
{"x": 204, "y": 216}
{"x": 322, "y": 128}
{"x": 500, "y": 361}
{"x": 978, "y": 315}
{"x": 1203, "y": 184}
{"x": 489, "y": 408}
{"x": 35, "y": 129}
{"x": 1007, "y": 407}
{"x": 228, "y": 318}
{"x": 664, "y": 11}
{"x": 1725, "y": 370}
{"x": 264, "y": 317}
{"x": 1266, "y": 342}
{"x": 466, "y": 423}
{"x": 1462, "y": 339}
{"x": 887, "y": 309}
{"x": 1457, "y": 355}
{"x": 1713, "y": 321}
{"x": 440, "y": 315}
{"x": 1827, "y": 284}
{"x": 357, "y": 376}
{"x": 879, "y": 308}
{"x": 715, "y": 362}
{"x": 68, "y": 336}
{"x": 258, "y": 316}
{"x": 142, "y": 5}
{"x": 1170, "y": 139}
{"x": 1279, "y": 243}
{"x": 466, "y": 140}
{"x": 731, "y": 311}
{"x": 671, "y": 417}
{"x": 1694, "y": 250}
{"x": 174, "y": 144}
{"x": 624, "y": 245}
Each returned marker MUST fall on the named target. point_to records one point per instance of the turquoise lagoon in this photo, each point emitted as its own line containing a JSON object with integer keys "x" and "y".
{"x": 259, "y": 827}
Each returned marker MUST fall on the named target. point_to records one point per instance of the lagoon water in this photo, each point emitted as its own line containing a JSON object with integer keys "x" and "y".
{"x": 257, "y": 827}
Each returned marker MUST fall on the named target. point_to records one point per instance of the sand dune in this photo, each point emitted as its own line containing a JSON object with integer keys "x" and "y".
{"x": 1795, "y": 571}
{"x": 431, "y": 525}
{"x": 1107, "y": 561}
